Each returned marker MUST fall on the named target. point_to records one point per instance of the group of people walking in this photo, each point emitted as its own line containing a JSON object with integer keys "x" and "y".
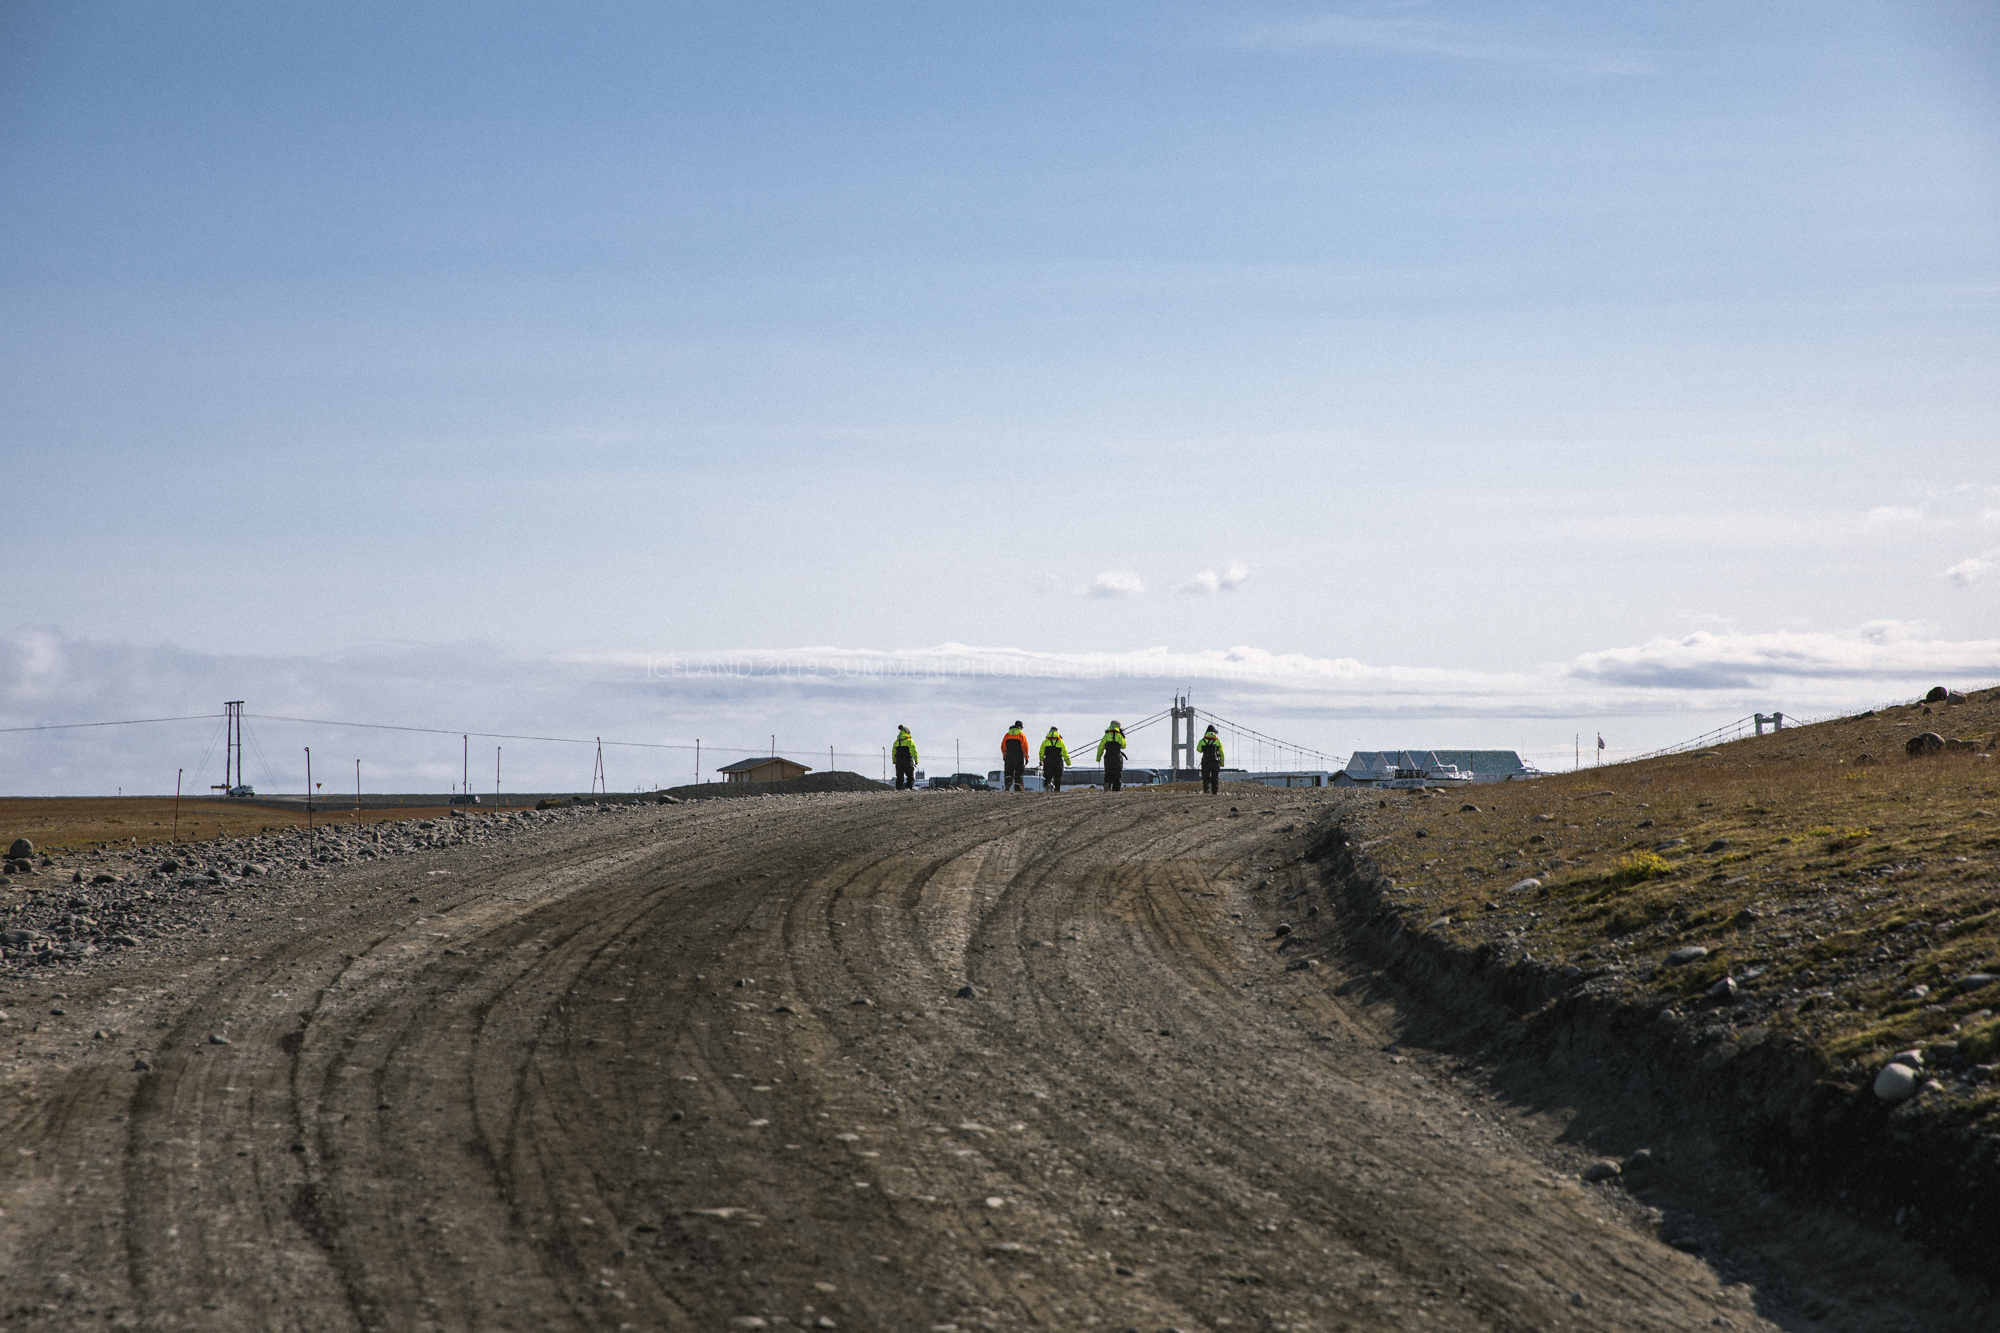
{"x": 1054, "y": 756}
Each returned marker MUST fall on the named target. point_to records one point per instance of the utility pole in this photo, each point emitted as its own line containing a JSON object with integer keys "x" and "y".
{"x": 497, "y": 804}
{"x": 177, "y": 803}
{"x": 357, "y": 791}
{"x": 697, "y": 759}
{"x": 232, "y": 745}
{"x": 309, "y": 788}
{"x": 597, "y": 771}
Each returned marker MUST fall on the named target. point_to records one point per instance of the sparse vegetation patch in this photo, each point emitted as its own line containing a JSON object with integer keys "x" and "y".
{"x": 1852, "y": 905}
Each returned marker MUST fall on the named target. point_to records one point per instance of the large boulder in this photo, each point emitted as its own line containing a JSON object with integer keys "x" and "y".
{"x": 1938, "y": 694}
{"x": 1928, "y": 743}
{"x": 21, "y": 850}
{"x": 1896, "y": 1083}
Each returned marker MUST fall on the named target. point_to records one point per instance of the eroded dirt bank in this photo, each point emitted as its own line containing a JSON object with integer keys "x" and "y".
{"x": 708, "y": 1065}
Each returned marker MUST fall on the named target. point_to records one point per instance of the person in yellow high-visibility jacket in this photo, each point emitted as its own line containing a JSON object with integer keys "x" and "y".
{"x": 1014, "y": 758}
{"x": 1055, "y": 755}
{"x": 1210, "y": 749}
{"x": 904, "y": 753}
{"x": 1111, "y": 753}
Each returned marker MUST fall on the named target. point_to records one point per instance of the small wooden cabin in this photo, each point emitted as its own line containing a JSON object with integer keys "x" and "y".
{"x": 770, "y": 768}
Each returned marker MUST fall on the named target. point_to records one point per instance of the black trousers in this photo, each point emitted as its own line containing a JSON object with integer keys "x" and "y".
{"x": 1211, "y": 780}
{"x": 1017, "y": 768}
{"x": 1114, "y": 771}
{"x": 1052, "y": 771}
{"x": 906, "y": 774}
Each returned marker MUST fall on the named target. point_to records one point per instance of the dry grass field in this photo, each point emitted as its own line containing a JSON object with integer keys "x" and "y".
{"x": 86, "y": 823}
{"x": 1852, "y": 901}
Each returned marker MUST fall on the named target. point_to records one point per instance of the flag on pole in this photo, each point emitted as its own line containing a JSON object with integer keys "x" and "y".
{"x": 1600, "y": 740}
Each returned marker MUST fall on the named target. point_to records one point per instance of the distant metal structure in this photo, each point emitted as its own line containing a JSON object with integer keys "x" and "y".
{"x": 597, "y": 781}
{"x": 232, "y": 750}
{"x": 1777, "y": 721}
{"x": 1183, "y": 709}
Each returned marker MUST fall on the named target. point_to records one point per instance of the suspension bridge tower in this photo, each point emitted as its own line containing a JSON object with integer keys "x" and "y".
{"x": 232, "y": 751}
{"x": 1182, "y": 710}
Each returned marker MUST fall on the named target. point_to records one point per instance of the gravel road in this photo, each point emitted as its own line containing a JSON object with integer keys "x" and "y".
{"x": 920, "y": 1062}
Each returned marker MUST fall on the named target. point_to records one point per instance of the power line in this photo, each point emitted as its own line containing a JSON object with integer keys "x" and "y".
{"x": 129, "y": 722}
{"x": 201, "y": 772}
{"x": 1143, "y": 723}
{"x": 561, "y": 740}
{"x": 1241, "y": 730}
{"x": 514, "y": 736}
{"x": 502, "y": 735}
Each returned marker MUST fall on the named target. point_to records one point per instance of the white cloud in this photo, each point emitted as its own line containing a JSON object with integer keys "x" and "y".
{"x": 1944, "y": 508}
{"x": 1209, "y": 581}
{"x": 1831, "y": 670}
{"x": 1113, "y": 583}
{"x": 1896, "y": 631}
{"x": 650, "y": 707}
{"x": 1969, "y": 571}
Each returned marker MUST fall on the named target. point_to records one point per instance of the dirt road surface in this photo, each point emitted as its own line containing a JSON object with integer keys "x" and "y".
{"x": 710, "y": 1067}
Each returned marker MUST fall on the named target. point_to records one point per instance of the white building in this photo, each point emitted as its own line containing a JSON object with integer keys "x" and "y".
{"x": 1432, "y": 768}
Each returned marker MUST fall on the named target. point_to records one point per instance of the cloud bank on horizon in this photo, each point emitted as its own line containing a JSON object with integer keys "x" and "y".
{"x": 652, "y": 707}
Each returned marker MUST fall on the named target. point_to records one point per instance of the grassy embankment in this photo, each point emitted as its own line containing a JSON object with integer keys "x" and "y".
{"x": 1853, "y": 903}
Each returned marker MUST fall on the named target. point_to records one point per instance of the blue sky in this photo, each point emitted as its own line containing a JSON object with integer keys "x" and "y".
{"x": 1445, "y": 338}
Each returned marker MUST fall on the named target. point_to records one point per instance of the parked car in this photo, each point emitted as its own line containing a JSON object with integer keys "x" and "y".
{"x": 464, "y": 800}
{"x": 961, "y": 781}
{"x": 244, "y": 789}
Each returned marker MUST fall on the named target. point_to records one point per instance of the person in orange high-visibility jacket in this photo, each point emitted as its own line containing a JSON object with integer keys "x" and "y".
{"x": 1014, "y": 758}
{"x": 1055, "y": 755}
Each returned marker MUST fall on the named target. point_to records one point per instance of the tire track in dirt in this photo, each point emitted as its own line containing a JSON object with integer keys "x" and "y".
{"x": 549, "y": 1103}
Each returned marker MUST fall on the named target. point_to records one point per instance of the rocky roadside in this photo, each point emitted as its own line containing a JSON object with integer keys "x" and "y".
{"x": 71, "y": 913}
{"x": 1663, "y": 1067}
